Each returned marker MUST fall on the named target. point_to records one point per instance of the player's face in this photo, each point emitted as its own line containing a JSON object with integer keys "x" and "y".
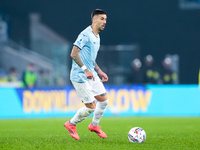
{"x": 100, "y": 21}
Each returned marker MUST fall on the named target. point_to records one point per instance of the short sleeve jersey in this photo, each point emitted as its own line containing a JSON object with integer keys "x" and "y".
{"x": 89, "y": 44}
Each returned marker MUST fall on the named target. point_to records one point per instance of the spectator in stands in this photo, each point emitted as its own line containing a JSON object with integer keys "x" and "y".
{"x": 3, "y": 75}
{"x": 43, "y": 79}
{"x": 59, "y": 80}
{"x": 151, "y": 73}
{"x": 29, "y": 77}
{"x": 10, "y": 79}
{"x": 12, "y": 75}
{"x": 168, "y": 76}
{"x": 136, "y": 75}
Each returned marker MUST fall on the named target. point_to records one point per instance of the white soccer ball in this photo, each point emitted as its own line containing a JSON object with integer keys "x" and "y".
{"x": 137, "y": 135}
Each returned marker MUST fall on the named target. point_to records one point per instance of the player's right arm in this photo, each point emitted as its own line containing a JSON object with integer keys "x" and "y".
{"x": 75, "y": 56}
{"x": 101, "y": 73}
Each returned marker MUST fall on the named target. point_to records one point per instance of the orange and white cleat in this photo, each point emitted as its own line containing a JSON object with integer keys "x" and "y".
{"x": 97, "y": 130}
{"x": 72, "y": 130}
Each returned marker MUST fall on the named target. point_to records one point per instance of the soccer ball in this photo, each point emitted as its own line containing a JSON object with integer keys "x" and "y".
{"x": 137, "y": 135}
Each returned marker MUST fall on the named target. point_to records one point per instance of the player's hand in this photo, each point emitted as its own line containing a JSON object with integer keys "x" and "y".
{"x": 103, "y": 76}
{"x": 89, "y": 74}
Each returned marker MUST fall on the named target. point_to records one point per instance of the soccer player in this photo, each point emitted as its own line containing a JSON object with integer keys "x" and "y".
{"x": 84, "y": 76}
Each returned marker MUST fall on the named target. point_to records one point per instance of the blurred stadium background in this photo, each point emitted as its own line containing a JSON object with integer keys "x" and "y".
{"x": 43, "y": 32}
{"x": 150, "y": 50}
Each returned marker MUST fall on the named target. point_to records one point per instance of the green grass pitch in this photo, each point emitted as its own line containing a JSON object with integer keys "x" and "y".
{"x": 163, "y": 133}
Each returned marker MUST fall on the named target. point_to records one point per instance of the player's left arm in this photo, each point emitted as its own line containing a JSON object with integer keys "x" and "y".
{"x": 101, "y": 73}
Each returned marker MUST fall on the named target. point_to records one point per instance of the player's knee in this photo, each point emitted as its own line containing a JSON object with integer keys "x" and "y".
{"x": 89, "y": 110}
{"x": 91, "y": 105}
{"x": 101, "y": 98}
{"x": 104, "y": 94}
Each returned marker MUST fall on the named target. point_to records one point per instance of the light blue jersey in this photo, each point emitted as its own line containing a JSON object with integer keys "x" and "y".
{"x": 89, "y": 44}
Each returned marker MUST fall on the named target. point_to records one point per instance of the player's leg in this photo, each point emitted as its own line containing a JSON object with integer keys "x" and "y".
{"x": 85, "y": 94}
{"x": 100, "y": 95}
{"x": 100, "y": 108}
{"x": 83, "y": 113}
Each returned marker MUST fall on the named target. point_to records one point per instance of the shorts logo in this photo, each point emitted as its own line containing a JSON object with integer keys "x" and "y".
{"x": 86, "y": 98}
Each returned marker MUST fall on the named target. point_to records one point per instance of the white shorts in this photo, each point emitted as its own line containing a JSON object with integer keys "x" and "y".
{"x": 86, "y": 91}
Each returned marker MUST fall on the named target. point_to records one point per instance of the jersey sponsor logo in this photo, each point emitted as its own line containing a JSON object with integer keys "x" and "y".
{"x": 80, "y": 41}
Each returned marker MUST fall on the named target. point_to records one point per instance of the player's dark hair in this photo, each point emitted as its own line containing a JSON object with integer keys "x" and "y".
{"x": 97, "y": 12}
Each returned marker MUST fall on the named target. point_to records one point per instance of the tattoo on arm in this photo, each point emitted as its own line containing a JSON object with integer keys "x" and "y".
{"x": 96, "y": 67}
{"x": 75, "y": 56}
